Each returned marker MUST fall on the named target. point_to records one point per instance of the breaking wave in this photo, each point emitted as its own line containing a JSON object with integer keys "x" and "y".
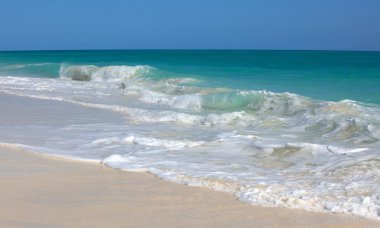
{"x": 103, "y": 74}
{"x": 274, "y": 149}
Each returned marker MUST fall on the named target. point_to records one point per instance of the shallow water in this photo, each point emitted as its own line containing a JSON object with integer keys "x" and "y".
{"x": 231, "y": 121}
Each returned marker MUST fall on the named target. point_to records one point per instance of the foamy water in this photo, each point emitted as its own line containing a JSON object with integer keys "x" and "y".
{"x": 272, "y": 149}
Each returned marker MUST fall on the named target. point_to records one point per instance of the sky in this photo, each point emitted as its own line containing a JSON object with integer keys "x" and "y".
{"x": 190, "y": 24}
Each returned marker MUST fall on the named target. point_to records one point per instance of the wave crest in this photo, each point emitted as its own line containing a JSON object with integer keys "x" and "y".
{"x": 103, "y": 74}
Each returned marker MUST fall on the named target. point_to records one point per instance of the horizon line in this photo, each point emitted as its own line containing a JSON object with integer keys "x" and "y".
{"x": 186, "y": 49}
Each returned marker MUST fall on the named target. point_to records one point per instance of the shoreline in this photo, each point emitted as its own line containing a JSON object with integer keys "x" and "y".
{"x": 42, "y": 190}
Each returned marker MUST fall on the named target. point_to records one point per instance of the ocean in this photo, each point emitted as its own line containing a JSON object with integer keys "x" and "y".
{"x": 298, "y": 129}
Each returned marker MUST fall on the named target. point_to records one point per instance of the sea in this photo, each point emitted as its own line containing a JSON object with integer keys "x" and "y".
{"x": 296, "y": 129}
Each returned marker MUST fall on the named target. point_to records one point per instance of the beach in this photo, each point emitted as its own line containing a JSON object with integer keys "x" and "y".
{"x": 190, "y": 113}
{"x": 41, "y": 191}
{"x": 209, "y": 126}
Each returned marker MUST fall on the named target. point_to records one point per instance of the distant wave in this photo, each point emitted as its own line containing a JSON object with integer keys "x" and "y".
{"x": 19, "y": 66}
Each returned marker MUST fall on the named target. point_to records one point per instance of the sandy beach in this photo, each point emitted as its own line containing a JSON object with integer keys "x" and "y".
{"x": 190, "y": 114}
{"x": 42, "y": 191}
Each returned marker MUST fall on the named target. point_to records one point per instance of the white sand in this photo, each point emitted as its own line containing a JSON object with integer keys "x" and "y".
{"x": 38, "y": 191}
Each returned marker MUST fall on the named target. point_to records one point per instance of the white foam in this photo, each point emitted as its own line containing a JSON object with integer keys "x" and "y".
{"x": 103, "y": 74}
{"x": 273, "y": 149}
{"x": 148, "y": 141}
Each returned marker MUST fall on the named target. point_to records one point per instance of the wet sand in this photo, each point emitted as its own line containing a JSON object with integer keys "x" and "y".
{"x": 41, "y": 191}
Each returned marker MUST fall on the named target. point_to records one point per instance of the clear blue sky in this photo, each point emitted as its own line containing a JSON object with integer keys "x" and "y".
{"x": 189, "y": 24}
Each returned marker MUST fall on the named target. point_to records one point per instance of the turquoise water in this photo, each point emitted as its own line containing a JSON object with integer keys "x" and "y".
{"x": 299, "y": 129}
{"x": 325, "y": 75}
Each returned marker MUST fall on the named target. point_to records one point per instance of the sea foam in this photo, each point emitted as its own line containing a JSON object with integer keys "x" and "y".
{"x": 272, "y": 149}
